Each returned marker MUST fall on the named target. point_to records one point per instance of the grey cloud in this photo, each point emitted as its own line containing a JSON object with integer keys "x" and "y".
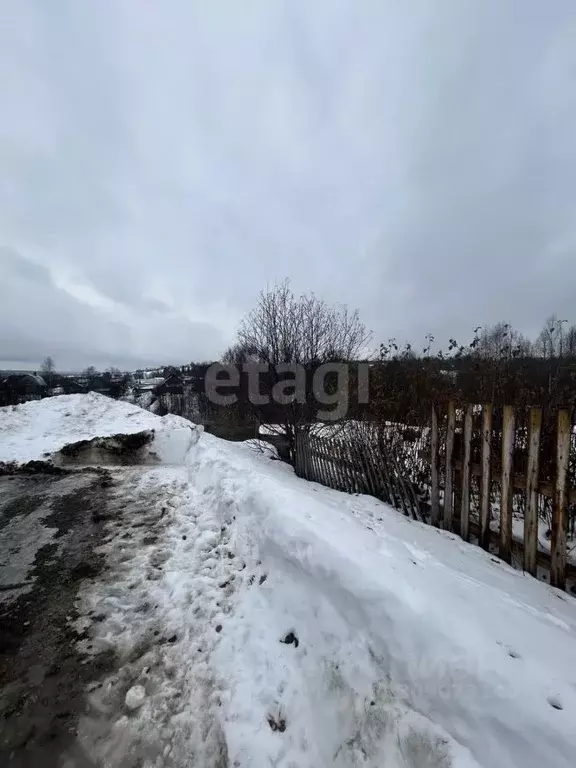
{"x": 174, "y": 158}
{"x": 40, "y": 319}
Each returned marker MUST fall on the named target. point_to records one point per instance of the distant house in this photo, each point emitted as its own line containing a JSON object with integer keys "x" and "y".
{"x": 172, "y": 385}
{"x": 106, "y": 384}
{"x": 21, "y": 387}
{"x": 71, "y": 386}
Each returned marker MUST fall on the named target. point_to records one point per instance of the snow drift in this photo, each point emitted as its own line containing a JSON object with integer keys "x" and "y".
{"x": 259, "y": 619}
{"x": 414, "y": 648}
{"x": 75, "y": 429}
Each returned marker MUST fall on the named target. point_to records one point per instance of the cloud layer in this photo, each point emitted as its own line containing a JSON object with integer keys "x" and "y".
{"x": 161, "y": 162}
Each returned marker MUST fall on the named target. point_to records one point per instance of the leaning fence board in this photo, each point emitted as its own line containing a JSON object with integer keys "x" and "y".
{"x": 299, "y": 459}
{"x": 302, "y": 457}
{"x": 356, "y": 484}
{"x": 378, "y": 466}
{"x": 465, "y": 504}
{"x": 345, "y": 467}
{"x": 435, "y": 485}
{"x": 326, "y": 463}
{"x": 320, "y": 461}
{"x": 336, "y": 483}
{"x": 400, "y": 487}
{"x": 531, "y": 513}
{"x": 508, "y": 432}
{"x": 352, "y": 481}
{"x": 359, "y": 453}
{"x": 314, "y": 459}
{"x": 368, "y": 468}
{"x": 342, "y": 468}
{"x": 449, "y": 469}
{"x": 385, "y": 475}
{"x": 559, "y": 521}
{"x": 484, "y": 539}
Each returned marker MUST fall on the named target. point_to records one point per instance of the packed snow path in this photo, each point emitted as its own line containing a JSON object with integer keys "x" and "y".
{"x": 259, "y": 620}
{"x": 161, "y": 609}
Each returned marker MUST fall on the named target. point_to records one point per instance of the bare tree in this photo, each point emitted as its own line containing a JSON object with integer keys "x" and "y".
{"x": 550, "y": 342}
{"x": 570, "y": 342}
{"x": 501, "y": 342}
{"x": 90, "y": 372}
{"x": 48, "y": 368}
{"x": 283, "y": 330}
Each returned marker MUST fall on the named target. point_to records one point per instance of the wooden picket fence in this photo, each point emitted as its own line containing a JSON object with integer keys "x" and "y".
{"x": 472, "y": 484}
{"x": 356, "y": 467}
{"x": 454, "y": 511}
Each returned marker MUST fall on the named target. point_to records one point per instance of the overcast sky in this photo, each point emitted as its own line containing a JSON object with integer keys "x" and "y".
{"x": 160, "y": 162}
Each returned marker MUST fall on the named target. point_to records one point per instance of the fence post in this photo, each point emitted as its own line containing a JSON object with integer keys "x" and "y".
{"x": 435, "y": 491}
{"x": 507, "y": 490}
{"x": 531, "y": 514}
{"x": 465, "y": 508}
{"x": 559, "y": 520}
{"x": 449, "y": 469}
{"x": 484, "y": 538}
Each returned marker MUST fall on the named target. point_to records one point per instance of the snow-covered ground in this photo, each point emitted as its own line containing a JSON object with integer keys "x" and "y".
{"x": 37, "y": 430}
{"x": 260, "y": 620}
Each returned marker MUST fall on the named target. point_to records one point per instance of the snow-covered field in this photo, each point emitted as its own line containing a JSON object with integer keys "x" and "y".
{"x": 260, "y": 620}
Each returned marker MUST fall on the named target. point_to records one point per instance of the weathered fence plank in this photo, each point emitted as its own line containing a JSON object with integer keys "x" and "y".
{"x": 346, "y": 471}
{"x": 385, "y": 474}
{"x": 314, "y": 458}
{"x": 400, "y": 486}
{"x": 531, "y": 513}
{"x": 359, "y": 476}
{"x": 484, "y": 539}
{"x": 386, "y": 470}
{"x": 449, "y": 469}
{"x": 559, "y": 520}
{"x": 506, "y": 491}
{"x": 299, "y": 457}
{"x": 435, "y": 484}
{"x": 378, "y": 467}
{"x": 372, "y": 482}
{"x": 465, "y": 505}
{"x": 324, "y": 463}
{"x": 360, "y": 450}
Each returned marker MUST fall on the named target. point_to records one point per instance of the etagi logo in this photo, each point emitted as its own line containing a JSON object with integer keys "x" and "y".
{"x": 330, "y": 385}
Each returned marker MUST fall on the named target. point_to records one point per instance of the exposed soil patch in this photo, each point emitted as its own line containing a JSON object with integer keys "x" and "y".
{"x": 42, "y": 676}
{"x": 115, "y": 449}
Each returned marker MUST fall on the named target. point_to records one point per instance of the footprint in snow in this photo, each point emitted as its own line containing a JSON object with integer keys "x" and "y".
{"x": 555, "y": 702}
{"x": 290, "y": 639}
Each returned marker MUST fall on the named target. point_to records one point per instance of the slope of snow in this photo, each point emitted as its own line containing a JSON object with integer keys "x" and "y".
{"x": 414, "y": 648}
{"x": 39, "y": 428}
{"x": 260, "y": 620}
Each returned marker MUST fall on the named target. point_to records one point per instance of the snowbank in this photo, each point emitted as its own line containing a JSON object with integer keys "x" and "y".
{"x": 413, "y": 648}
{"x": 263, "y": 620}
{"x": 37, "y": 430}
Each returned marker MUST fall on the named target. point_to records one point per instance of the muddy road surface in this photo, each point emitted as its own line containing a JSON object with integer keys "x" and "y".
{"x": 50, "y": 525}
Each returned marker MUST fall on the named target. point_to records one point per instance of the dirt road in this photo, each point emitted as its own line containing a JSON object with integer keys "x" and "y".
{"x": 49, "y": 527}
